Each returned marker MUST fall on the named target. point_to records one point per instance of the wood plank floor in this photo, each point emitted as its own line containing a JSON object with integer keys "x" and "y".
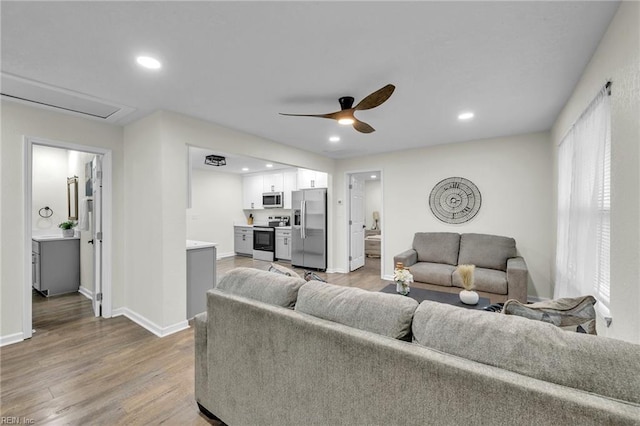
{"x": 80, "y": 370}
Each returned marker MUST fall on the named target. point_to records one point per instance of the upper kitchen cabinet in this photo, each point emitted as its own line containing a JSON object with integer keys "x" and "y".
{"x": 290, "y": 183}
{"x": 272, "y": 182}
{"x": 252, "y": 187}
{"x": 311, "y": 179}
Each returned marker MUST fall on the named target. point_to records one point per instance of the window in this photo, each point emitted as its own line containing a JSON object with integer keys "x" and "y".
{"x": 584, "y": 205}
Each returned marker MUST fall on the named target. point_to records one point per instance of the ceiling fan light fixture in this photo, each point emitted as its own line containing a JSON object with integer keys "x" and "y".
{"x": 346, "y": 121}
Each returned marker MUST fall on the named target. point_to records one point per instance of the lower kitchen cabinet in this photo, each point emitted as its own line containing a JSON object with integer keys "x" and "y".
{"x": 56, "y": 266}
{"x": 243, "y": 240}
{"x": 283, "y": 244}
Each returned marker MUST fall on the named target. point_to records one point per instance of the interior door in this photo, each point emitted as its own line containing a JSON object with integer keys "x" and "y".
{"x": 96, "y": 180}
{"x": 356, "y": 222}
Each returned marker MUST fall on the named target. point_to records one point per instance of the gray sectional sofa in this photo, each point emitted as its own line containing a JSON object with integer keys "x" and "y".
{"x": 276, "y": 350}
{"x": 434, "y": 256}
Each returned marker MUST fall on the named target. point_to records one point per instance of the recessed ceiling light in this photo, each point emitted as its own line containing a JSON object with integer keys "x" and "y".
{"x": 465, "y": 116}
{"x": 374, "y": 177}
{"x": 269, "y": 165}
{"x": 148, "y": 62}
{"x": 334, "y": 139}
{"x": 346, "y": 121}
{"x": 245, "y": 169}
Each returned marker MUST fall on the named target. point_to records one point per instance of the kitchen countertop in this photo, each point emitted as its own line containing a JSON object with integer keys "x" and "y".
{"x": 193, "y": 244}
{"x": 40, "y": 238}
{"x": 283, "y": 227}
{"x": 243, "y": 225}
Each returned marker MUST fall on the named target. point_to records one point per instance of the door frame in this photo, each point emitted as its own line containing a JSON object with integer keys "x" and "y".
{"x": 107, "y": 205}
{"x": 347, "y": 198}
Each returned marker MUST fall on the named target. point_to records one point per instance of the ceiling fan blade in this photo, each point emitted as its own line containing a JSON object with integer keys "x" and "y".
{"x": 330, "y": 115}
{"x": 377, "y": 98}
{"x": 362, "y": 127}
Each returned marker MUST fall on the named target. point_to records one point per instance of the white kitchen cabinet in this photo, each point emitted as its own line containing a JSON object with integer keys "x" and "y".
{"x": 289, "y": 184}
{"x": 243, "y": 240}
{"x": 311, "y": 179}
{"x": 283, "y": 244}
{"x": 272, "y": 182}
{"x": 252, "y": 188}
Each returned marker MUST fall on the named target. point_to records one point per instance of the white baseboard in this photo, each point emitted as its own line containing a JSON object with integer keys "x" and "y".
{"x": 11, "y": 339}
{"x": 336, "y": 271}
{"x": 148, "y": 324}
{"x": 86, "y": 292}
{"x": 223, "y": 255}
{"x": 387, "y": 277}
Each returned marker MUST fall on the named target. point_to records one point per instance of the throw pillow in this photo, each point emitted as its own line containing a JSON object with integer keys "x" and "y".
{"x": 572, "y": 314}
{"x": 279, "y": 269}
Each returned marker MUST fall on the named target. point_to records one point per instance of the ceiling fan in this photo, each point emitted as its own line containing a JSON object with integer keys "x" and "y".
{"x": 345, "y": 115}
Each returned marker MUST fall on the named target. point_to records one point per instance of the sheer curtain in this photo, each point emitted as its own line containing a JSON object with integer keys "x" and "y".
{"x": 582, "y": 248}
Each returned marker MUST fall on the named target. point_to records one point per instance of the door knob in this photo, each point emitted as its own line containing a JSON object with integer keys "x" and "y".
{"x": 90, "y": 242}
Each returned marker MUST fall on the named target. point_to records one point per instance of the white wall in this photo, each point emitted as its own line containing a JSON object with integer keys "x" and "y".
{"x": 514, "y": 175}
{"x": 18, "y": 121}
{"x": 373, "y": 201}
{"x": 618, "y": 59}
{"x": 216, "y": 207}
{"x": 49, "y": 186}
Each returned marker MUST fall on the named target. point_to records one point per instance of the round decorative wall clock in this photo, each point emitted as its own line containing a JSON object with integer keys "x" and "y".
{"x": 455, "y": 200}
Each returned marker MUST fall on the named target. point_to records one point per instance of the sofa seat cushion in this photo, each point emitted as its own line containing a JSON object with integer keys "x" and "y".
{"x": 486, "y": 251}
{"x": 488, "y": 280}
{"x": 263, "y": 286}
{"x": 432, "y": 273}
{"x": 437, "y": 247}
{"x": 386, "y": 314}
{"x": 532, "y": 348}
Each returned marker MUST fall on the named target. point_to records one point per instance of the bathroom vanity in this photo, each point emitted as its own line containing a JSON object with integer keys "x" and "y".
{"x": 55, "y": 263}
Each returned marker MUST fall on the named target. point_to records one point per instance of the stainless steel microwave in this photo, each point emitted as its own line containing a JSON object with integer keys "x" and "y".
{"x": 272, "y": 200}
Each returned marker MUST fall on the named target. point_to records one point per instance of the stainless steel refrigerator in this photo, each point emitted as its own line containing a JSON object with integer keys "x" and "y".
{"x": 309, "y": 228}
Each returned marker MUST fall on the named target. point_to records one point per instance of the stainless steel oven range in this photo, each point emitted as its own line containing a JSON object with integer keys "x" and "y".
{"x": 264, "y": 243}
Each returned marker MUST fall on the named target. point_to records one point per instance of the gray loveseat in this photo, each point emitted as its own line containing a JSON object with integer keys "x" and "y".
{"x": 434, "y": 256}
{"x": 276, "y": 350}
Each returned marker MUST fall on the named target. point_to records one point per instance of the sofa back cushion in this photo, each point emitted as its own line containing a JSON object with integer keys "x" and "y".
{"x": 437, "y": 247}
{"x": 263, "y": 286}
{"x": 386, "y": 314}
{"x": 532, "y": 348}
{"x": 486, "y": 251}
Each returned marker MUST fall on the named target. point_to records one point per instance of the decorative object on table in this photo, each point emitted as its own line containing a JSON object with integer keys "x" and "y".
{"x": 569, "y": 313}
{"x": 312, "y": 276}
{"x": 67, "y": 228}
{"x": 403, "y": 277}
{"x": 376, "y": 218}
{"x": 468, "y": 296}
{"x": 455, "y": 200}
{"x": 250, "y": 219}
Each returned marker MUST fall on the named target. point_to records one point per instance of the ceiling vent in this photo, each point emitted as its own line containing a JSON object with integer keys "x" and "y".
{"x": 49, "y": 97}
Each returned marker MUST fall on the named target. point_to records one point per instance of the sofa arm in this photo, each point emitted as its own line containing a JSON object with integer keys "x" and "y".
{"x": 517, "y": 279}
{"x": 408, "y": 258}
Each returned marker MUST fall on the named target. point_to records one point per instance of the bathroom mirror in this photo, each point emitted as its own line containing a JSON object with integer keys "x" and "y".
{"x": 72, "y": 197}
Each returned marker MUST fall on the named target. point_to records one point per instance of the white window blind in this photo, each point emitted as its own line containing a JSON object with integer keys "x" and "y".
{"x": 584, "y": 206}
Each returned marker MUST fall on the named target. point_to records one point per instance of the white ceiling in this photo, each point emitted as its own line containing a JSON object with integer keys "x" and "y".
{"x": 241, "y": 63}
